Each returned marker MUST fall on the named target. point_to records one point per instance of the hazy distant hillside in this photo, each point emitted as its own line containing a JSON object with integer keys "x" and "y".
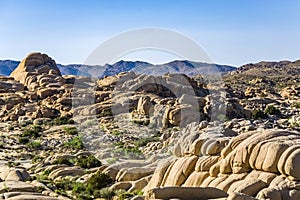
{"x": 182, "y": 66}
{"x": 270, "y": 68}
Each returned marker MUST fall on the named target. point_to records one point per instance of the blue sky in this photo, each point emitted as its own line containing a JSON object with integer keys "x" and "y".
{"x": 231, "y": 32}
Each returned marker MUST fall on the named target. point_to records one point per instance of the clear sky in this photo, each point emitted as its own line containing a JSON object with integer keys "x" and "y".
{"x": 232, "y": 32}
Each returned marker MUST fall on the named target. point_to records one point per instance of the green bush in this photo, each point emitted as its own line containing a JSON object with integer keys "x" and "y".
{"x": 271, "y": 110}
{"x": 23, "y": 140}
{"x": 62, "y": 120}
{"x": 296, "y": 105}
{"x": 105, "y": 193}
{"x": 34, "y": 145}
{"x": 88, "y": 162}
{"x": 144, "y": 141}
{"x": 92, "y": 189}
{"x": 117, "y": 133}
{"x": 63, "y": 161}
{"x": 32, "y": 132}
{"x": 70, "y": 130}
{"x": 75, "y": 143}
{"x": 258, "y": 114}
{"x": 98, "y": 181}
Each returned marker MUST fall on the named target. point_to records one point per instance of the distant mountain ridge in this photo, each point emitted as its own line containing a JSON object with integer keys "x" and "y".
{"x": 178, "y": 66}
{"x": 265, "y": 68}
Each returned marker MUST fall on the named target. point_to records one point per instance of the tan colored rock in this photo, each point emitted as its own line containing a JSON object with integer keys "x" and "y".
{"x": 162, "y": 170}
{"x": 140, "y": 184}
{"x": 204, "y": 163}
{"x": 134, "y": 173}
{"x": 46, "y": 92}
{"x": 179, "y": 172}
{"x": 145, "y": 106}
{"x": 125, "y": 185}
{"x": 67, "y": 171}
{"x": 230, "y": 180}
{"x": 250, "y": 186}
{"x": 196, "y": 179}
{"x": 292, "y": 165}
{"x": 186, "y": 193}
{"x": 16, "y": 186}
{"x": 240, "y": 196}
{"x": 17, "y": 175}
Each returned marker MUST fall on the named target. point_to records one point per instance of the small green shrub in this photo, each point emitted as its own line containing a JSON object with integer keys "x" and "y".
{"x": 88, "y": 162}
{"x": 36, "y": 159}
{"x": 70, "y": 130}
{"x": 117, "y": 133}
{"x": 34, "y": 145}
{"x": 23, "y": 140}
{"x": 106, "y": 113}
{"x": 105, "y": 193}
{"x": 144, "y": 141}
{"x": 296, "y": 105}
{"x": 75, "y": 143}
{"x": 258, "y": 114}
{"x": 111, "y": 161}
{"x": 98, "y": 181}
{"x": 78, "y": 188}
{"x": 62, "y": 120}
{"x": 32, "y": 132}
{"x": 63, "y": 161}
{"x": 271, "y": 110}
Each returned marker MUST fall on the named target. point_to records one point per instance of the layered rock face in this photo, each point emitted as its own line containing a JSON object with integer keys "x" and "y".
{"x": 252, "y": 165}
{"x": 38, "y": 70}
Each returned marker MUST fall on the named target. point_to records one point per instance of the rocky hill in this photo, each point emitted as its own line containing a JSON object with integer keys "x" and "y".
{"x": 185, "y": 67}
{"x": 139, "y": 136}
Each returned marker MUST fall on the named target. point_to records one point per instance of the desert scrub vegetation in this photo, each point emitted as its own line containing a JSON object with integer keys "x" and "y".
{"x": 70, "y": 130}
{"x": 271, "y": 110}
{"x": 61, "y": 121}
{"x": 258, "y": 114}
{"x": 75, "y": 143}
{"x": 32, "y": 131}
{"x": 88, "y": 162}
{"x": 34, "y": 145}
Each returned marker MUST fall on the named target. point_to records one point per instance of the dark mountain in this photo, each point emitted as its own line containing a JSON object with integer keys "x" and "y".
{"x": 178, "y": 66}
{"x": 7, "y": 66}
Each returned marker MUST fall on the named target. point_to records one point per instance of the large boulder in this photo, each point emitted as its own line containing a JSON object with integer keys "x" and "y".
{"x": 37, "y": 70}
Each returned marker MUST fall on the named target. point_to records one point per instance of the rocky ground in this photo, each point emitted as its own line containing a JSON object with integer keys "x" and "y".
{"x": 132, "y": 136}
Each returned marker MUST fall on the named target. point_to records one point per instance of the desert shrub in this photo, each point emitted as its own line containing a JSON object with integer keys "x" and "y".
{"x": 258, "y": 114}
{"x": 144, "y": 141}
{"x": 117, "y": 133}
{"x": 34, "y": 144}
{"x": 88, "y": 162}
{"x": 70, "y": 130}
{"x": 111, "y": 161}
{"x": 296, "y": 105}
{"x": 32, "y": 132}
{"x": 99, "y": 181}
{"x": 36, "y": 159}
{"x": 63, "y": 161}
{"x": 75, "y": 143}
{"x": 105, "y": 193}
{"x": 62, "y": 120}
{"x": 105, "y": 113}
{"x": 90, "y": 190}
{"x": 23, "y": 140}
{"x": 271, "y": 110}
{"x": 123, "y": 194}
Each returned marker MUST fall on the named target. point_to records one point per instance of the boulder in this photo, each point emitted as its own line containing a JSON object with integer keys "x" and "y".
{"x": 186, "y": 193}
